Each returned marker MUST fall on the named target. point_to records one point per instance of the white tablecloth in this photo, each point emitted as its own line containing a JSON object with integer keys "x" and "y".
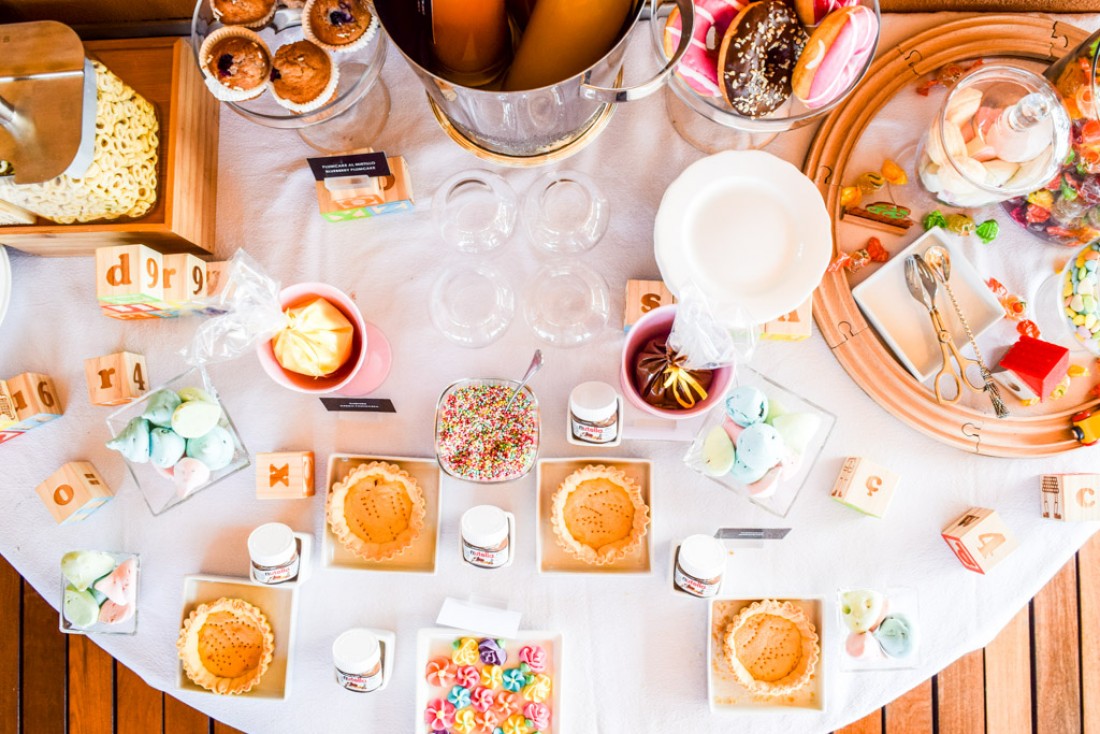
{"x": 635, "y": 654}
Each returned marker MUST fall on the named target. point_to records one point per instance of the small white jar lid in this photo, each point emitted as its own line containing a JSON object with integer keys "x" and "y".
{"x": 484, "y": 526}
{"x": 593, "y": 401}
{"x": 702, "y": 556}
{"x": 272, "y": 544}
{"x": 356, "y": 651}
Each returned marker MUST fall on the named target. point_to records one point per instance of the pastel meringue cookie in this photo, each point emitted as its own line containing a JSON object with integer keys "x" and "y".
{"x": 166, "y": 447}
{"x": 760, "y": 447}
{"x": 133, "y": 442}
{"x": 195, "y": 418}
{"x": 82, "y": 568}
{"x": 718, "y": 452}
{"x": 766, "y": 485}
{"x": 112, "y": 613}
{"x": 747, "y": 405}
{"x": 491, "y": 652}
{"x": 79, "y": 608}
{"x": 214, "y": 448}
{"x": 745, "y": 474}
{"x": 192, "y": 394}
{"x": 732, "y": 429}
{"x": 160, "y": 406}
{"x": 862, "y": 609}
{"x": 895, "y": 635}
{"x": 120, "y": 585}
{"x": 539, "y": 715}
{"x": 861, "y": 645}
{"x": 534, "y": 656}
{"x": 797, "y": 429}
{"x": 188, "y": 475}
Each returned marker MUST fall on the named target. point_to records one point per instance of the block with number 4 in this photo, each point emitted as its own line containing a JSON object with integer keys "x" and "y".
{"x": 35, "y": 400}
{"x": 116, "y": 378}
{"x": 74, "y": 492}
{"x": 284, "y": 475}
{"x": 980, "y": 539}
{"x": 864, "y": 486}
{"x": 1071, "y": 496}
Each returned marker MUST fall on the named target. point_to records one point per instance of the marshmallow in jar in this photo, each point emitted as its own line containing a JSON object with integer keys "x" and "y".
{"x": 1002, "y": 132}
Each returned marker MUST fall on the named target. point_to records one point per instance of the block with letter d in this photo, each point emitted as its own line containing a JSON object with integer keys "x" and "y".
{"x": 864, "y": 486}
{"x": 1072, "y": 497}
{"x": 74, "y": 492}
{"x": 35, "y": 400}
{"x": 284, "y": 475}
{"x": 980, "y": 539}
{"x": 129, "y": 274}
{"x": 116, "y": 378}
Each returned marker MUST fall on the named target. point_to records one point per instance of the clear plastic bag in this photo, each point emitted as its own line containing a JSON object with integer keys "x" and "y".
{"x": 703, "y": 341}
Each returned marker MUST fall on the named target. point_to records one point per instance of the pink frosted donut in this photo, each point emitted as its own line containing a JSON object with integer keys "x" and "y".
{"x": 835, "y": 55}
{"x": 699, "y": 66}
{"x": 812, "y": 12}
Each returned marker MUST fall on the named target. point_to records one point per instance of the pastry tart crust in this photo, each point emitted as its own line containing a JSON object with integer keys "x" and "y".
{"x": 772, "y": 648}
{"x": 598, "y": 515}
{"x": 226, "y": 646}
{"x": 377, "y": 511}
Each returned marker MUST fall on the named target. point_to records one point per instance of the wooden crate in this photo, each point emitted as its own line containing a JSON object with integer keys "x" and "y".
{"x": 163, "y": 70}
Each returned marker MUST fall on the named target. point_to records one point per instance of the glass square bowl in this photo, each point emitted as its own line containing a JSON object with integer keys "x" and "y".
{"x": 463, "y": 420}
{"x": 788, "y": 486}
{"x": 129, "y": 627}
{"x": 159, "y": 490}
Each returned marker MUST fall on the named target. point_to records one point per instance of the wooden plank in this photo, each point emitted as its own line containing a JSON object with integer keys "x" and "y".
{"x": 91, "y": 688}
{"x": 220, "y": 728}
{"x": 869, "y": 724}
{"x": 44, "y": 667}
{"x": 11, "y": 610}
{"x": 911, "y": 713}
{"x": 959, "y": 689}
{"x": 1056, "y": 651}
{"x": 1008, "y": 677}
{"x": 179, "y": 718}
{"x": 1088, "y": 580}
{"x": 139, "y": 708}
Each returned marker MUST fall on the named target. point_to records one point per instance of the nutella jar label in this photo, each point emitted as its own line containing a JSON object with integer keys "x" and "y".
{"x": 360, "y": 683}
{"x": 694, "y": 586}
{"x": 592, "y": 433}
{"x": 276, "y": 574}
{"x": 484, "y": 557}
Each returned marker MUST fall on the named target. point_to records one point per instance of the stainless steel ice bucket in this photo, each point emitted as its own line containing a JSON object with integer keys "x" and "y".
{"x": 537, "y": 125}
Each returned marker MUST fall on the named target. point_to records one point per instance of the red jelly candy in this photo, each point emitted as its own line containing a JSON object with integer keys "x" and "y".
{"x": 1036, "y": 214}
{"x": 998, "y": 290}
{"x": 877, "y": 252}
{"x": 1027, "y": 327}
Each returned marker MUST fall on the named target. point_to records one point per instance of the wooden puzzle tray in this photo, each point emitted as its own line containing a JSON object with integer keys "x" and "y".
{"x": 858, "y": 349}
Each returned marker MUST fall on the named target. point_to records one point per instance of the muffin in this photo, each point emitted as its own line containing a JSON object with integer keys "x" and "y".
{"x": 236, "y": 64}
{"x": 303, "y": 76}
{"x": 249, "y": 13}
{"x": 338, "y": 25}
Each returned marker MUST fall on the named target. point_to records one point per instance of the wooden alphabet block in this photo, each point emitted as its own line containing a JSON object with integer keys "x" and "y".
{"x": 116, "y": 378}
{"x": 980, "y": 539}
{"x": 184, "y": 280}
{"x": 6, "y": 436}
{"x": 74, "y": 492}
{"x": 35, "y": 399}
{"x": 216, "y": 279}
{"x": 642, "y": 296}
{"x": 864, "y": 486}
{"x": 1072, "y": 497}
{"x": 794, "y": 326}
{"x": 129, "y": 274}
{"x": 284, "y": 475}
{"x": 9, "y": 416}
{"x": 130, "y": 311}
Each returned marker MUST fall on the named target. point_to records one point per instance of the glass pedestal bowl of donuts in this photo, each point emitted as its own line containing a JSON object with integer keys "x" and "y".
{"x": 285, "y": 63}
{"x": 756, "y": 69}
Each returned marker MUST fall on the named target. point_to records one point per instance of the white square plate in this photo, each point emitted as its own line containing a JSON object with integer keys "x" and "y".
{"x": 725, "y": 695}
{"x": 549, "y": 474}
{"x": 278, "y": 603}
{"x": 421, "y": 556}
{"x": 903, "y": 322}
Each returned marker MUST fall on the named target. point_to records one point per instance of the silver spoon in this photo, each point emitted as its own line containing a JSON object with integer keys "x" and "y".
{"x": 535, "y": 366}
{"x": 939, "y": 259}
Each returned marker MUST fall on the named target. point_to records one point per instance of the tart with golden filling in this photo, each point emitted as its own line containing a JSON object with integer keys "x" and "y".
{"x": 772, "y": 648}
{"x": 598, "y": 515}
{"x": 226, "y": 646}
{"x": 377, "y": 511}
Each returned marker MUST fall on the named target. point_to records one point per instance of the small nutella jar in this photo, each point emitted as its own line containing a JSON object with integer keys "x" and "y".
{"x": 275, "y": 554}
{"x": 486, "y": 536}
{"x": 357, "y": 656}
{"x": 594, "y": 413}
{"x": 700, "y": 563}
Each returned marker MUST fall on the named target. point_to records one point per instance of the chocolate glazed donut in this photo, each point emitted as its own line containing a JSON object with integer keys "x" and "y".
{"x": 758, "y": 56}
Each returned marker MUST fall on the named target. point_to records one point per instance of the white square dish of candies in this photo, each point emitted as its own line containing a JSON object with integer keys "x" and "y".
{"x": 469, "y": 682}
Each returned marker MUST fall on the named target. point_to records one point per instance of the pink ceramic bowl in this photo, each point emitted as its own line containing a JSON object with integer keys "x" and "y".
{"x": 299, "y": 294}
{"x": 658, "y": 323}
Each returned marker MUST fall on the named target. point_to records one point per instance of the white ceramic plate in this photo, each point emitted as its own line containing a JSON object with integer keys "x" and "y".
{"x": 903, "y": 323}
{"x": 5, "y": 283}
{"x": 749, "y": 229}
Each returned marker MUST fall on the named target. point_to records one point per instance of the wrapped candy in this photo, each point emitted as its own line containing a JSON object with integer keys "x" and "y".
{"x": 946, "y": 76}
{"x": 1014, "y": 306}
{"x": 960, "y": 224}
{"x": 934, "y": 219}
{"x": 1027, "y": 327}
{"x": 316, "y": 341}
{"x": 850, "y": 196}
{"x": 663, "y": 381}
{"x": 870, "y": 182}
{"x": 988, "y": 230}
{"x": 893, "y": 173}
{"x": 853, "y": 262}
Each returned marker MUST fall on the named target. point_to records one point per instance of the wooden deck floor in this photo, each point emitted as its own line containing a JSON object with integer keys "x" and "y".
{"x": 1031, "y": 679}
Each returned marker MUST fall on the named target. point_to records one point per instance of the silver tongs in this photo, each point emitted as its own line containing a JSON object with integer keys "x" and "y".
{"x": 922, "y": 285}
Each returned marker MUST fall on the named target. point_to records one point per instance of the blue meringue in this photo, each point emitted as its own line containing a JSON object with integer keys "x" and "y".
{"x": 214, "y": 448}
{"x": 747, "y": 405}
{"x": 745, "y": 474}
{"x": 160, "y": 406}
{"x": 760, "y": 447}
{"x": 895, "y": 636}
{"x": 133, "y": 442}
{"x": 166, "y": 447}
